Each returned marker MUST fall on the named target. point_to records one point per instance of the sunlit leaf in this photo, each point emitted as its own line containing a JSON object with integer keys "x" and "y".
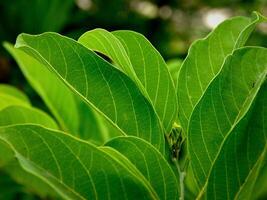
{"x": 150, "y": 163}
{"x": 135, "y": 56}
{"x": 224, "y": 104}
{"x": 205, "y": 60}
{"x": 74, "y": 168}
{"x": 242, "y": 155}
{"x": 72, "y": 114}
{"x": 12, "y": 91}
{"x": 101, "y": 86}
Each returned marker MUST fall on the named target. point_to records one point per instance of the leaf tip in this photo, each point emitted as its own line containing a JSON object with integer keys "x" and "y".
{"x": 258, "y": 16}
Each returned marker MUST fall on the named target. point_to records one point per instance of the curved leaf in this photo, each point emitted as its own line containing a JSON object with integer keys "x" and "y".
{"x": 205, "y": 59}
{"x": 74, "y": 168}
{"x": 137, "y": 58}
{"x": 100, "y": 85}
{"x": 174, "y": 67}
{"x": 15, "y": 114}
{"x": 8, "y": 100}
{"x": 224, "y": 104}
{"x": 72, "y": 114}
{"x": 12, "y": 91}
{"x": 242, "y": 156}
{"x": 20, "y": 114}
{"x": 150, "y": 163}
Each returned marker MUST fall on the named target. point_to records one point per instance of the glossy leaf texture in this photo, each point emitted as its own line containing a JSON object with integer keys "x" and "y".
{"x": 225, "y": 102}
{"x": 206, "y": 58}
{"x": 135, "y": 56}
{"x": 150, "y": 163}
{"x": 104, "y": 88}
{"x": 243, "y": 155}
{"x": 73, "y": 115}
{"x": 79, "y": 170}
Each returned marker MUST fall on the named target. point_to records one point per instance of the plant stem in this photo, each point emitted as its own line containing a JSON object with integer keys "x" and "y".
{"x": 181, "y": 179}
{"x": 180, "y": 172}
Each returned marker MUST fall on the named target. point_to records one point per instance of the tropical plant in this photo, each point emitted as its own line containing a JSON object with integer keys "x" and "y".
{"x": 119, "y": 127}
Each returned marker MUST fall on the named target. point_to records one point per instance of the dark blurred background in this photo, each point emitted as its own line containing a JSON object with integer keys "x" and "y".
{"x": 171, "y": 25}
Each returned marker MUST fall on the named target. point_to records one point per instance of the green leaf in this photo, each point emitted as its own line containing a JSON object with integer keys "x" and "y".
{"x": 23, "y": 115}
{"x": 20, "y": 115}
{"x": 174, "y": 66}
{"x": 72, "y": 114}
{"x": 29, "y": 183}
{"x": 135, "y": 56}
{"x": 261, "y": 184}
{"x": 242, "y": 156}
{"x": 56, "y": 96}
{"x": 205, "y": 59}
{"x": 8, "y": 100}
{"x": 150, "y": 163}
{"x": 12, "y": 91}
{"x": 225, "y": 102}
{"x": 74, "y": 168}
{"x": 99, "y": 84}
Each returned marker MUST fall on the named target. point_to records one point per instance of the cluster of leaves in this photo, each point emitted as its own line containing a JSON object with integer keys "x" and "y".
{"x": 124, "y": 129}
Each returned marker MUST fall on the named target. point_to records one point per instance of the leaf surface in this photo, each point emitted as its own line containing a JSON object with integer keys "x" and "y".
{"x": 174, "y": 67}
{"x": 150, "y": 163}
{"x": 243, "y": 155}
{"x": 205, "y": 59}
{"x": 137, "y": 58}
{"x": 8, "y": 100}
{"x": 100, "y": 85}
{"x": 73, "y": 115}
{"x": 56, "y": 96}
{"x": 21, "y": 114}
{"x": 224, "y": 104}
{"x": 12, "y": 91}
{"x": 74, "y": 168}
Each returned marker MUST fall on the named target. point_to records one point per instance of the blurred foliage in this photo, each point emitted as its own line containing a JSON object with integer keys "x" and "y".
{"x": 170, "y": 25}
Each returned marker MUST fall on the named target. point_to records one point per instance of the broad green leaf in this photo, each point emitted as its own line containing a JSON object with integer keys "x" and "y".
{"x": 150, "y": 163}
{"x": 6, "y": 154}
{"x": 92, "y": 126}
{"x": 74, "y": 168}
{"x": 174, "y": 66}
{"x": 104, "y": 88}
{"x": 106, "y": 43}
{"x": 23, "y": 115}
{"x": 137, "y": 58}
{"x": 56, "y": 96}
{"x": 224, "y": 104}
{"x": 20, "y": 115}
{"x": 15, "y": 114}
{"x": 242, "y": 155}
{"x": 8, "y": 100}
{"x": 205, "y": 59}
{"x": 12, "y": 91}
{"x": 72, "y": 114}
